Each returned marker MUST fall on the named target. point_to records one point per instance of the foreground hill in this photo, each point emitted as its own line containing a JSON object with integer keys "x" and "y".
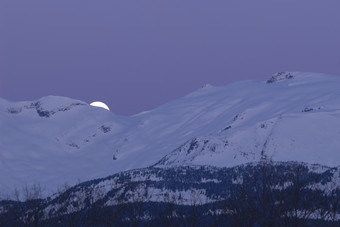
{"x": 289, "y": 117}
{"x": 254, "y": 194}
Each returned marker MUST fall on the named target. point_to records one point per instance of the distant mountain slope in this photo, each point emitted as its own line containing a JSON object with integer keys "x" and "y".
{"x": 289, "y": 117}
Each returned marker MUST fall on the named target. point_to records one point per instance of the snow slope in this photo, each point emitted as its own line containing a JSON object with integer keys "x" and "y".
{"x": 290, "y": 117}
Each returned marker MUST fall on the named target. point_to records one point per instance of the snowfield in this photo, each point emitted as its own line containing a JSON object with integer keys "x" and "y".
{"x": 290, "y": 117}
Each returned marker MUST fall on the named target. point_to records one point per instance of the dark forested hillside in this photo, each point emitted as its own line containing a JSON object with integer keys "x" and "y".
{"x": 256, "y": 194}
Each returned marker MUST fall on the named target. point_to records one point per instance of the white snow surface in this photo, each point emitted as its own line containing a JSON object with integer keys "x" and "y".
{"x": 291, "y": 117}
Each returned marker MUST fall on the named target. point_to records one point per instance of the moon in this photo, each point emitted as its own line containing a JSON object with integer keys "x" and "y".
{"x": 100, "y": 104}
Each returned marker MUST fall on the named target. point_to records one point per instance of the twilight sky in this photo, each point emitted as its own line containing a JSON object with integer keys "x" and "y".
{"x": 135, "y": 55}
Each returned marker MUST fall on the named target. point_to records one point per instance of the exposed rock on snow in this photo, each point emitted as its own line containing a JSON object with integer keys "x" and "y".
{"x": 279, "y": 77}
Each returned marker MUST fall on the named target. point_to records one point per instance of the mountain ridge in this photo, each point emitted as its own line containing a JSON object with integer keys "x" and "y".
{"x": 293, "y": 117}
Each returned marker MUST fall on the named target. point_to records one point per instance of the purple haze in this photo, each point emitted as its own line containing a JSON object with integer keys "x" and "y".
{"x": 135, "y": 55}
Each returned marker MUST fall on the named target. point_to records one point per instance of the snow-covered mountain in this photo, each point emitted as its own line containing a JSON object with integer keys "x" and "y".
{"x": 289, "y": 117}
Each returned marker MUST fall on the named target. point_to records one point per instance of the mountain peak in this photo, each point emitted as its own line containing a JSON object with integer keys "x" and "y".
{"x": 280, "y": 76}
{"x": 45, "y": 106}
{"x": 56, "y": 102}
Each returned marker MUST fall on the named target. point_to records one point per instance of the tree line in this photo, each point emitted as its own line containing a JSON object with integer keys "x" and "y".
{"x": 265, "y": 194}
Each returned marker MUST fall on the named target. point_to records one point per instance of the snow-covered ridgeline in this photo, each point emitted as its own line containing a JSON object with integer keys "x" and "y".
{"x": 289, "y": 117}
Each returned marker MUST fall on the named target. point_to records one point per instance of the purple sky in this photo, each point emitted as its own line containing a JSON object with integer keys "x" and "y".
{"x": 137, "y": 54}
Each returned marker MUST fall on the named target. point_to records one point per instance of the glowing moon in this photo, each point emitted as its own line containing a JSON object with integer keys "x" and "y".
{"x": 100, "y": 104}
